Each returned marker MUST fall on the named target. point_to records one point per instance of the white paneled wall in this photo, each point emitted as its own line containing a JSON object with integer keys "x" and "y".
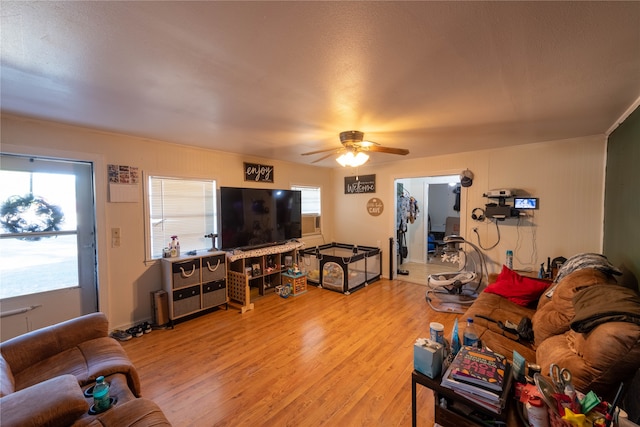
{"x": 125, "y": 280}
{"x": 567, "y": 176}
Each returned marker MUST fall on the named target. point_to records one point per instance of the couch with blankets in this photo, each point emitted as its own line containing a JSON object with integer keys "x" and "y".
{"x": 584, "y": 321}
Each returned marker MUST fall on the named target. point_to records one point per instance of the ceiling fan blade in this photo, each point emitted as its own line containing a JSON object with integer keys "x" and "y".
{"x": 324, "y": 157}
{"x": 388, "y": 150}
{"x": 320, "y": 151}
{"x": 354, "y": 141}
{"x": 365, "y": 144}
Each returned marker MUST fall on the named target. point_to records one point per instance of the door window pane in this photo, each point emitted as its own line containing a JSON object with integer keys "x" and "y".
{"x": 38, "y": 226}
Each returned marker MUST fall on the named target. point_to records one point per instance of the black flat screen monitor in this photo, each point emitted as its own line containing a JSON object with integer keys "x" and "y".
{"x": 255, "y": 217}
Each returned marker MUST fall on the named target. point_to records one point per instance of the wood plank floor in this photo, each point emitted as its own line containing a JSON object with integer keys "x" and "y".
{"x": 419, "y": 272}
{"x": 318, "y": 359}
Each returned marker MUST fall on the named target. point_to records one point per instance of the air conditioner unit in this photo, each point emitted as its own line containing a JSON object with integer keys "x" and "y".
{"x": 310, "y": 224}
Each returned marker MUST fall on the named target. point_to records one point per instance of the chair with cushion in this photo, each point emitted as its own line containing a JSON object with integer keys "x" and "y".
{"x": 80, "y": 347}
{"x": 45, "y": 376}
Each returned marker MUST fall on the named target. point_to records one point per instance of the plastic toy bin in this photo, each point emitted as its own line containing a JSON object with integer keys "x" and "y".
{"x": 342, "y": 267}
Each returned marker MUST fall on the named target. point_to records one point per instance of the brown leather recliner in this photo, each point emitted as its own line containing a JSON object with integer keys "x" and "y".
{"x": 43, "y": 374}
{"x": 599, "y": 359}
{"x": 80, "y": 347}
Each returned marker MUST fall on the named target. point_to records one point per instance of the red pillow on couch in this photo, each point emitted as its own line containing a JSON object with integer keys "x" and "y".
{"x": 516, "y": 288}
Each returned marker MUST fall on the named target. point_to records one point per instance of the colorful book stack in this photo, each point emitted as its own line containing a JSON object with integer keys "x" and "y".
{"x": 481, "y": 376}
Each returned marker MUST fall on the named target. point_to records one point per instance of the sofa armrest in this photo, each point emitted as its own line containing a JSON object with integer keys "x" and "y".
{"x": 27, "y": 349}
{"x": 7, "y": 381}
{"x": 599, "y": 360}
{"x": 55, "y": 402}
{"x": 138, "y": 412}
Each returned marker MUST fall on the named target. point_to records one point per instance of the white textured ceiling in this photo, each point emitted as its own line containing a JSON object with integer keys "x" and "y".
{"x": 276, "y": 79}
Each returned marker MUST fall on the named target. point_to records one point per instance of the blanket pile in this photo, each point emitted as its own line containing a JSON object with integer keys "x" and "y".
{"x": 605, "y": 303}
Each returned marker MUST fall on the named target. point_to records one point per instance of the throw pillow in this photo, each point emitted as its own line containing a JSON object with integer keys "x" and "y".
{"x": 516, "y": 288}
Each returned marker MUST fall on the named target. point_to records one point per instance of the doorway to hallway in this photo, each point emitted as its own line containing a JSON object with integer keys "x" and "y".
{"x": 427, "y": 209}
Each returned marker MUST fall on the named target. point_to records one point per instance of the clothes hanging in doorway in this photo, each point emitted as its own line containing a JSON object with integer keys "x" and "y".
{"x": 403, "y": 208}
{"x": 408, "y": 212}
{"x": 402, "y": 215}
{"x": 414, "y": 210}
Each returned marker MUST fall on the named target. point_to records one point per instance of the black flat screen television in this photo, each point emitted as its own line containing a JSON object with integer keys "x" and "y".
{"x": 254, "y": 217}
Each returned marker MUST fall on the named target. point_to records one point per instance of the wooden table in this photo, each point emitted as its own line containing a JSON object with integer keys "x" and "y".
{"x": 459, "y": 411}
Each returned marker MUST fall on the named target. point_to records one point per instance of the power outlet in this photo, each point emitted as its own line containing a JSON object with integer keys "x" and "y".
{"x": 115, "y": 237}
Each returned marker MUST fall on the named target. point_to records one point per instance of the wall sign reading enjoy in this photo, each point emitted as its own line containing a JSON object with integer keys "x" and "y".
{"x": 258, "y": 173}
{"x": 359, "y": 184}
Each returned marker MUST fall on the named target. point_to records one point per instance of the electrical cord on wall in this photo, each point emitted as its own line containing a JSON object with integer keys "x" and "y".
{"x": 475, "y": 230}
{"x": 534, "y": 246}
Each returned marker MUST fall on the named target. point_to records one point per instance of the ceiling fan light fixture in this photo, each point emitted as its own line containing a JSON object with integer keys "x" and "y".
{"x": 351, "y": 136}
{"x": 353, "y": 160}
{"x": 356, "y": 148}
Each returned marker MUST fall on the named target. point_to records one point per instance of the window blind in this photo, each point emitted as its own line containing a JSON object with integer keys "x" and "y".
{"x": 181, "y": 207}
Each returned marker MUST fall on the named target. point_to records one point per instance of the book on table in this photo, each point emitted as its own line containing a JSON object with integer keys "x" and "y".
{"x": 493, "y": 397}
{"x": 482, "y": 393}
{"x": 481, "y": 367}
{"x": 491, "y": 406}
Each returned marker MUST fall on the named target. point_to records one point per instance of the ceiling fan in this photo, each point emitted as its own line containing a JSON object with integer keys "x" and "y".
{"x": 354, "y": 149}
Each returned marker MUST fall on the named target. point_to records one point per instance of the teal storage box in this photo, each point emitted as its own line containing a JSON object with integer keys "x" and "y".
{"x": 427, "y": 357}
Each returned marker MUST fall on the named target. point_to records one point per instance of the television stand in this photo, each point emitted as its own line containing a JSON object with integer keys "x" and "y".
{"x": 259, "y": 268}
{"x": 253, "y": 247}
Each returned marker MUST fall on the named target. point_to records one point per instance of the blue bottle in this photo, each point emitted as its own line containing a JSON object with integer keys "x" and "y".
{"x": 470, "y": 335}
{"x": 101, "y": 399}
{"x": 510, "y": 259}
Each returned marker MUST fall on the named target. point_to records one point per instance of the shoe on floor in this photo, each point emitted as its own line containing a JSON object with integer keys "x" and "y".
{"x": 121, "y": 335}
{"x": 136, "y": 331}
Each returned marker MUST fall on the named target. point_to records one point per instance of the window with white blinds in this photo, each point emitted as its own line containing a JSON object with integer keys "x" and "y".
{"x": 311, "y": 209}
{"x": 180, "y": 207}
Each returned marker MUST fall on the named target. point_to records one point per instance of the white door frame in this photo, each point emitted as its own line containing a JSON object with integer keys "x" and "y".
{"x": 438, "y": 177}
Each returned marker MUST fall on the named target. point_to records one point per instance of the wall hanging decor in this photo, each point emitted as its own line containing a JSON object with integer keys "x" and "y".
{"x": 258, "y": 173}
{"x": 123, "y": 183}
{"x": 360, "y": 184}
{"x": 375, "y": 206}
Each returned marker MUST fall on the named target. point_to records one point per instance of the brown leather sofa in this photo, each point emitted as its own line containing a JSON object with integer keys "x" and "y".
{"x": 46, "y": 376}
{"x": 599, "y": 359}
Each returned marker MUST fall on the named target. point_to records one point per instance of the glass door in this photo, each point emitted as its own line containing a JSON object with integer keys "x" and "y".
{"x": 48, "y": 269}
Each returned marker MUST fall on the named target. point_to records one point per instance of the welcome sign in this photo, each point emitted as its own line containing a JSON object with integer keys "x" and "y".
{"x": 360, "y": 184}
